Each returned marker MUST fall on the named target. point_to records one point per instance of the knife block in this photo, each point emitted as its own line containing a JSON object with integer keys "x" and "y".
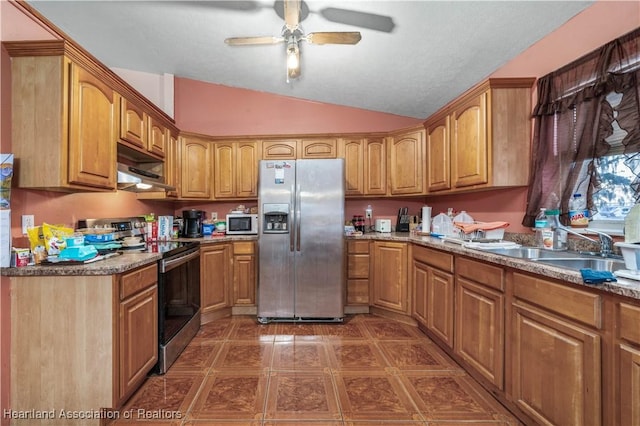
{"x": 402, "y": 225}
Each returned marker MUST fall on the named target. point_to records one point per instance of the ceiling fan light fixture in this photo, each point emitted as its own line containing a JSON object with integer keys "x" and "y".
{"x": 293, "y": 60}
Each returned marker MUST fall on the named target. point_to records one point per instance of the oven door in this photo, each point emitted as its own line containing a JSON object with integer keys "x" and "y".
{"x": 178, "y": 304}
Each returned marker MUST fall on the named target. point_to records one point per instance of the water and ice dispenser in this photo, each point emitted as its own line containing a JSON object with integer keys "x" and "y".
{"x": 276, "y": 219}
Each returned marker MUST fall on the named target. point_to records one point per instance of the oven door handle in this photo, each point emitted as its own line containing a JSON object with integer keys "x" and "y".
{"x": 167, "y": 265}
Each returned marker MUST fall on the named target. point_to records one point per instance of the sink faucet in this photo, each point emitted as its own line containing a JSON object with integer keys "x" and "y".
{"x": 605, "y": 240}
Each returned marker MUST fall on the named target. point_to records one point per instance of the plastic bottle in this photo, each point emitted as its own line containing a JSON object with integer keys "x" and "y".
{"x": 541, "y": 223}
{"x": 632, "y": 225}
{"x": 554, "y": 237}
{"x": 578, "y": 213}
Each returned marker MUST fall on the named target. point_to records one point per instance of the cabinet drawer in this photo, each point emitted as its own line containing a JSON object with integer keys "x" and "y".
{"x": 629, "y": 322}
{"x": 435, "y": 258}
{"x": 570, "y": 302}
{"x": 480, "y": 272}
{"x": 358, "y": 246}
{"x": 358, "y": 266}
{"x": 244, "y": 247}
{"x": 133, "y": 282}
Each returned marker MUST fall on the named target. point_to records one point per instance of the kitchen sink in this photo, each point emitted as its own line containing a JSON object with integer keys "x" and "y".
{"x": 531, "y": 253}
{"x": 597, "y": 264}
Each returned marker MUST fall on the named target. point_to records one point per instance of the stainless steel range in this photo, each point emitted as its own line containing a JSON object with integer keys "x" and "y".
{"x": 178, "y": 284}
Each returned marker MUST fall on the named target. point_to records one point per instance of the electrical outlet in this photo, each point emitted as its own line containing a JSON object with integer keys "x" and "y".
{"x": 28, "y": 221}
{"x": 368, "y": 212}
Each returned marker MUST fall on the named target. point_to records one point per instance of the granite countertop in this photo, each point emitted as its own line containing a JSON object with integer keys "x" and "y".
{"x": 624, "y": 287}
{"x": 114, "y": 265}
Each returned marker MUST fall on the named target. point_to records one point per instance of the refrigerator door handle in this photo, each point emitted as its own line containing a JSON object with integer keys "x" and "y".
{"x": 291, "y": 210}
{"x": 298, "y": 217}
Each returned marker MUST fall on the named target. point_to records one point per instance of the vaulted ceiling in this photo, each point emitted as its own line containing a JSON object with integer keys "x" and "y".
{"x": 435, "y": 51}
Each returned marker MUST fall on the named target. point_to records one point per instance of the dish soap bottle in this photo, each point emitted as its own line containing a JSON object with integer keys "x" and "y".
{"x": 554, "y": 237}
{"x": 578, "y": 213}
{"x": 632, "y": 225}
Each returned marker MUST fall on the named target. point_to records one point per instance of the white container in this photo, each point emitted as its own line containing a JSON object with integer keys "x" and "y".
{"x": 442, "y": 224}
{"x": 165, "y": 227}
{"x": 383, "y": 225}
{"x": 631, "y": 255}
{"x": 632, "y": 225}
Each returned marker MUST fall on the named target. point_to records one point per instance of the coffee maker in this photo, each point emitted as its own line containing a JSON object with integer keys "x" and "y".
{"x": 192, "y": 223}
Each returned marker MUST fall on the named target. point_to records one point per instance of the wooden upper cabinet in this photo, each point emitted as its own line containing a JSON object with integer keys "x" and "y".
{"x": 142, "y": 132}
{"x": 406, "y": 162}
{"x": 319, "y": 148}
{"x": 469, "y": 162}
{"x": 482, "y": 139}
{"x": 365, "y": 165}
{"x": 438, "y": 155}
{"x": 158, "y": 136}
{"x": 236, "y": 169}
{"x": 195, "y": 166}
{"x": 280, "y": 149}
{"x": 64, "y": 124}
{"x": 133, "y": 124}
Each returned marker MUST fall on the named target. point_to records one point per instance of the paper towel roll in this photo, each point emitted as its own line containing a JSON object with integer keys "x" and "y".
{"x": 426, "y": 219}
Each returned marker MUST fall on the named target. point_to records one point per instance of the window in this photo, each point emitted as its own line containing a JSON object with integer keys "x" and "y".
{"x": 587, "y": 135}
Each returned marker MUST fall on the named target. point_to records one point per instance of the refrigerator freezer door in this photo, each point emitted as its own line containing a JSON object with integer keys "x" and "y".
{"x": 319, "y": 231}
{"x": 276, "y": 286}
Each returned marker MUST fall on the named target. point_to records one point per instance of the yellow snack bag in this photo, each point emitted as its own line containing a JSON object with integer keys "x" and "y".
{"x": 36, "y": 238}
{"x": 54, "y": 237}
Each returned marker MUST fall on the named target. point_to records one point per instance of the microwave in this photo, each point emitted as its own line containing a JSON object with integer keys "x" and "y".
{"x": 242, "y": 223}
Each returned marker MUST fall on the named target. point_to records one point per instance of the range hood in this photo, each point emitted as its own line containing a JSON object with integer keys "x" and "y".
{"x": 133, "y": 179}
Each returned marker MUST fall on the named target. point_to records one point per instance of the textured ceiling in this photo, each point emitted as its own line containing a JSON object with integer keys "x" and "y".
{"x": 436, "y": 51}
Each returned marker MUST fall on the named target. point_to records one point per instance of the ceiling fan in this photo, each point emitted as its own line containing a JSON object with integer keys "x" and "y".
{"x": 292, "y": 34}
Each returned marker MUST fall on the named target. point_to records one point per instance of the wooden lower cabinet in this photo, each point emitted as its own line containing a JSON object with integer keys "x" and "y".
{"x": 244, "y": 273}
{"x": 479, "y": 323}
{"x": 555, "y": 356}
{"x": 627, "y": 371}
{"x": 81, "y": 343}
{"x": 433, "y": 292}
{"x": 216, "y": 274}
{"x": 389, "y": 288}
{"x": 358, "y": 261}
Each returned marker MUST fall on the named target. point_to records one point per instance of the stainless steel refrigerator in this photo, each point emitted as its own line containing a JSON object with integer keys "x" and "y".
{"x": 301, "y": 244}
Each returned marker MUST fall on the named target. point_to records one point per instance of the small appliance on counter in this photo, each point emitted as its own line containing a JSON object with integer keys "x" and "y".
{"x": 192, "y": 223}
{"x": 241, "y": 223}
{"x": 383, "y": 225}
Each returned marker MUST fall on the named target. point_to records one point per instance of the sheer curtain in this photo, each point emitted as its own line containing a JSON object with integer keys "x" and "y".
{"x": 573, "y": 118}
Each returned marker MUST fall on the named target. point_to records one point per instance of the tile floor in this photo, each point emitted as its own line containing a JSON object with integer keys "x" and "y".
{"x": 367, "y": 371}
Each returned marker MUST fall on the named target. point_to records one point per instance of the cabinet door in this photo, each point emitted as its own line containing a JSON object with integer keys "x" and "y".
{"x": 407, "y": 163}
{"x": 556, "y": 375}
{"x": 286, "y": 149}
{"x": 319, "y": 148}
{"x": 440, "y": 304}
{"x": 469, "y": 157}
{"x": 244, "y": 273}
{"x": 420, "y": 276}
{"x": 354, "y": 164}
{"x": 92, "y": 131}
{"x": 628, "y": 370}
{"x": 224, "y": 171}
{"x": 215, "y": 277}
{"x": 133, "y": 124}
{"x": 479, "y": 329}
{"x": 158, "y": 136}
{"x": 438, "y": 155}
{"x": 195, "y": 160}
{"x": 390, "y": 276}
{"x": 138, "y": 339}
{"x": 247, "y": 169}
{"x": 375, "y": 167}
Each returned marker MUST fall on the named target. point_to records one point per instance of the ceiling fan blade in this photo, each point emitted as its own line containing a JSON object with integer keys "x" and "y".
{"x": 359, "y": 19}
{"x": 240, "y": 5}
{"x": 334, "y": 38}
{"x": 247, "y": 41}
{"x": 292, "y": 13}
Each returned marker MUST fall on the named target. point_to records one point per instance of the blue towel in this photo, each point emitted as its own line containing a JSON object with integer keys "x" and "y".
{"x": 589, "y": 276}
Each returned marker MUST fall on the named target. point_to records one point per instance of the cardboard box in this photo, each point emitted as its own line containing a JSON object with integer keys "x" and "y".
{"x": 5, "y": 238}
